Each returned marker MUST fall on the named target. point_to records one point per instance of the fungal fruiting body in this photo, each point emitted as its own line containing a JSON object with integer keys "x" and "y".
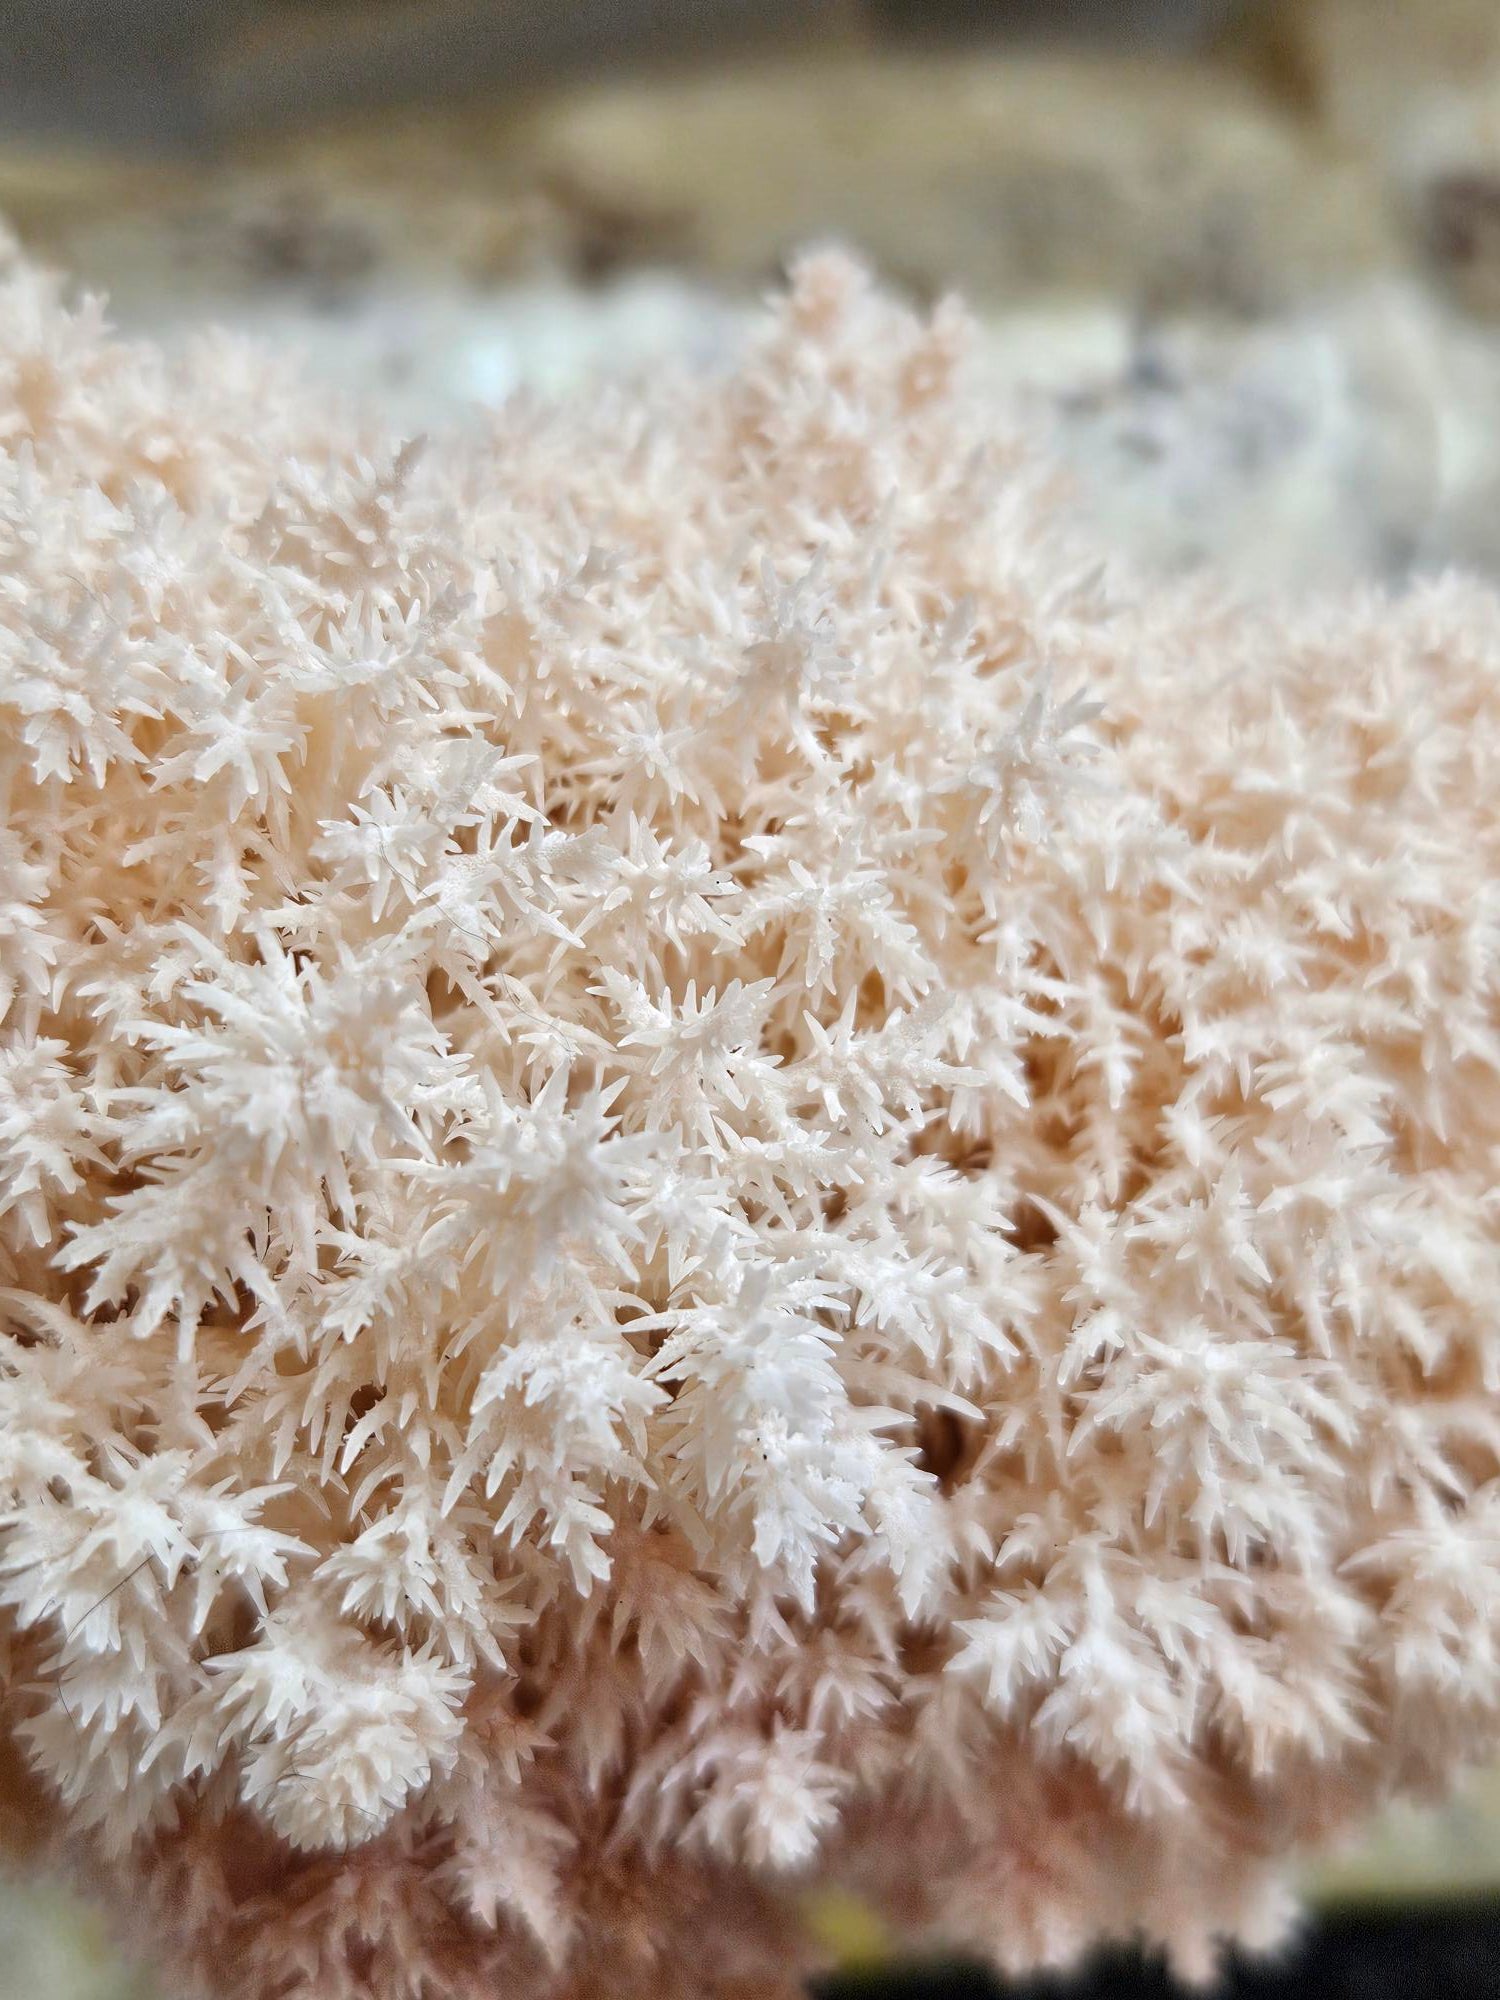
{"x": 715, "y": 1176}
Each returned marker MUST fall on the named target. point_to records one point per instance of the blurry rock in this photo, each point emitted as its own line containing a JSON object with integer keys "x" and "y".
{"x": 1152, "y": 182}
{"x": 1159, "y": 185}
{"x": 1447, "y": 171}
{"x": 1414, "y": 91}
{"x": 1347, "y": 441}
{"x": 297, "y": 63}
{"x": 113, "y": 72}
{"x": 1145, "y": 23}
{"x": 1368, "y": 63}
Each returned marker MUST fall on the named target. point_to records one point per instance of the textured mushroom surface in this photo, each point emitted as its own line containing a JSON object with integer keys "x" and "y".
{"x": 716, "y": 1175}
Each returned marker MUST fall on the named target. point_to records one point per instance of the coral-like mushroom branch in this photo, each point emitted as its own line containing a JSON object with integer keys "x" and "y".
{"x": 711, "y": 1175}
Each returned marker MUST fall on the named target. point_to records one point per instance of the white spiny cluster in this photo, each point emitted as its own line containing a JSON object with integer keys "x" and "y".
{"x": 712, "y": 1176}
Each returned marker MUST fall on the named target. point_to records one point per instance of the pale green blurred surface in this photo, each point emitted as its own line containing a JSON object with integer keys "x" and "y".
{"x": 54, "y": 1947}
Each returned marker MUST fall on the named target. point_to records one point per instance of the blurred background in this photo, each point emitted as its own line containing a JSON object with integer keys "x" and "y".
{"x": 1238, "y": 256}
{"x": 1239, "y": 260}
